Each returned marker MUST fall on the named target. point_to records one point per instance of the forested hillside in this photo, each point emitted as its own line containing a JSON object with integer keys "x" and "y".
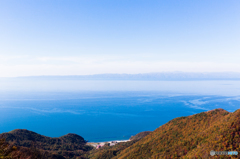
{"x": 9, "y": 151}
{"x": 190, "y": 137}
{"x": 69, "y": 146}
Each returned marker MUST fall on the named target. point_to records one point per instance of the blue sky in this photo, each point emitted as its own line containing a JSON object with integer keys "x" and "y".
{"x": 77, "y": 37}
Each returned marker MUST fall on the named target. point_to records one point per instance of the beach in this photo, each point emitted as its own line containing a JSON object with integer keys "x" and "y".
{"x": 111, "y": 143}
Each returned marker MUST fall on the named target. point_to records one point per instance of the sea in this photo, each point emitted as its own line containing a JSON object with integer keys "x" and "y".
{"x": 107, "y": 110}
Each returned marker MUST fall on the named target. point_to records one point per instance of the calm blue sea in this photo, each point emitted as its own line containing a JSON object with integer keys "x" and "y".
{"x": 108, "y": 110}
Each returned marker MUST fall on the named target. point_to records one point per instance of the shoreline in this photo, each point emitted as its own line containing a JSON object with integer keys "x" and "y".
{"x": 100, "y": 144}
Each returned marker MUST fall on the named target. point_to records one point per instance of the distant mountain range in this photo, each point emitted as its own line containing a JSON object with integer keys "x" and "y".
{"x": 162, "y": 76}
{"x": 184, "y": 137}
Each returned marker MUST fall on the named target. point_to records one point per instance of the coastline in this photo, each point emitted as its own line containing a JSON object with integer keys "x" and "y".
{"x": 111, "y": 143}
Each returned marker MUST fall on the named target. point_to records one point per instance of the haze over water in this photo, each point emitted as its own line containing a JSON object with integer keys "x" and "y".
{"x": 107, "y": 110}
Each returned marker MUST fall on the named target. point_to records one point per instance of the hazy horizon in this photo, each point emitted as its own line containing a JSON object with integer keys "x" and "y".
{"x": 176, "y": 75}
{"x": 187, "y": 75}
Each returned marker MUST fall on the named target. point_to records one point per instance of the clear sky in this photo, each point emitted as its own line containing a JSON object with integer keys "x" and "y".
{"x": 77, "y": 37}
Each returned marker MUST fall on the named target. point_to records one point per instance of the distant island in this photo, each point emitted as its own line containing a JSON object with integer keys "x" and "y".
{"x": 160, "y": 76}
{"x": 184, "y": 137}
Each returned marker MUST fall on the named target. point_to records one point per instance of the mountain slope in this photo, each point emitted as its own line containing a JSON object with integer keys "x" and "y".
{"x": 70, "y": 145}
{"x": 140, "y": 135}
{"x": 193, "y": 136}
{"x": 8, "y": 151}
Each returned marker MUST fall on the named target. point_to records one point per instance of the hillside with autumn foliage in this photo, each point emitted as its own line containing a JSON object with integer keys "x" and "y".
{"x": 190, "y": 137}
{"x": 25, "y": 141}
{"x": 10, "y": 151}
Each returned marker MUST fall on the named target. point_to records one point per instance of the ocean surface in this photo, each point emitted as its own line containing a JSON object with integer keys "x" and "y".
{"x": 107, "y": 110}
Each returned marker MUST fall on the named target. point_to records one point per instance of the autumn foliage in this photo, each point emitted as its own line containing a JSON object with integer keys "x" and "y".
{"x": 190, "y": 137}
